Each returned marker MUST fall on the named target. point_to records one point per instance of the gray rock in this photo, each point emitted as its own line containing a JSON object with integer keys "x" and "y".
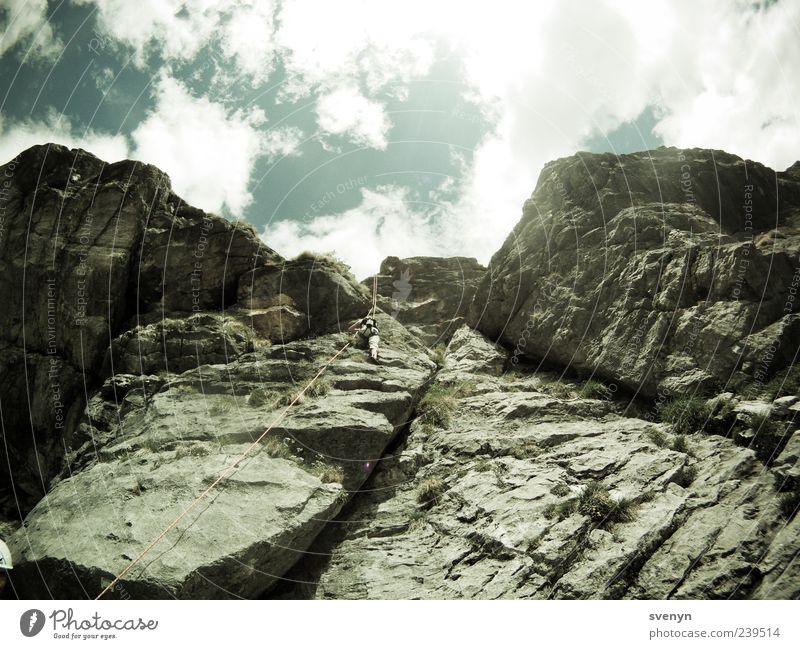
{"x": 650, "y": 269}
{"x": 509, "y": 471}
{"x": 141, "y": 466}
{"x": 429, "y": 293}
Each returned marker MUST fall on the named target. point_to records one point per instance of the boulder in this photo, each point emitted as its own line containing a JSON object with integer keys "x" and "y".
{"x": 430, "y": 295}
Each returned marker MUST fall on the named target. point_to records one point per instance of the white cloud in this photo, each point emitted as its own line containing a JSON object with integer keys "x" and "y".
{"x": 328, "y": 44}
{"x": 733, "y": 83}
{"x": 208, "y": 151}
{"x": 282, "y": 142}
{"x": 16, "y": 136}
{"x": 346, "y": 112}
{"x": 178, "y": 31}
{"x": 383, "y": 224}
{"x": 24, "y": 20}
{"x": 550, "y": 74}
{"x": 248, "y": 38}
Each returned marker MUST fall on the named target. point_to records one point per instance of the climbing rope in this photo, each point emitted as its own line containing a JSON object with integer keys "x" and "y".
{"x": 374, "y": 294}
{"x": 228, "y": 471}
{"x": 235, "y": 465}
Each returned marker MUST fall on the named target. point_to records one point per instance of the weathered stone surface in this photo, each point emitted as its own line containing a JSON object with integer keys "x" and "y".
{"x": 302, "y": 296}
{"x": 653, "y": 269}
{"x": 85, "y": 246}
{"x": 359, "y": 492}
{"x": 704, "y": 523}
{"x": 432, "y": 294}
{"x": 151, "y": 446}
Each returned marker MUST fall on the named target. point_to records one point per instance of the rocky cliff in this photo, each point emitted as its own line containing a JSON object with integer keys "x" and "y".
{"x": 667, "y": 271}
{"x": 146, "y": 344}
{"x": 430, "y": 295}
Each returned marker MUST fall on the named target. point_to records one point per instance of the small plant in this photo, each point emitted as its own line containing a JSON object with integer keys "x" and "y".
{"x": 440, "y": 402}
{"x": 418, "y": 517}
{"x": 150, "y": 443}
{"x": 527, "y": 449}
{"x": 561, "y": 510}
{"x": 760, "y": 421}
{"x": 596, "y": 503}
{"x": 326, "y": 259}
{"x": 784, "y": 383}
{"x": 260, "y": 397}
{"x": 679, "y": 444}
{"x": 688, "y": 475}
{"x": 317, "y": 389}
{"x": 687, "y": 415}
{"x": 219, "y": 409}
{"x": 429, "y": 492}
{"x": 656, "y": 436}
{"x": 560, "y": 489}
{"x": 559, "y": 390}
{"x": 275, "y": 447}
{"x": 439, "y": 354}
{"x": 593, "y": 389}
{"x": 190, "y": 451}
{"x": 328, "y": 473}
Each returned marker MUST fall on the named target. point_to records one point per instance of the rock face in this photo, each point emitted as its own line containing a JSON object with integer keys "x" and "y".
{"x": 184, "y": 332}
{"x": 150, "y": 445}
{"x": 665, "y": 271}
{"x": 496, "y": 504}
{"x": 85, "y": 246}
{"x": 145, "y": 346}
{"x": 430, "y": 295}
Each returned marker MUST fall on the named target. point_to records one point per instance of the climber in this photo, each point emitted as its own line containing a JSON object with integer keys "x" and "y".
{"x": 368, "y": 334}
{"x": 5, "y": 565}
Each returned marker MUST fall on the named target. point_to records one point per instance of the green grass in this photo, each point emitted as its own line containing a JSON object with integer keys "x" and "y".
{"x": 784, "y": 383}
{"x": 418, "y": 517}
{"x": 679, "y": 444}
{"x": 658, "y": 438}
{"x": 559, "y": 390}
{"x": 440, "y": 402}
{"x": 561, "y": 510}
{"x": 560, "y": 489}
{"x": 429, "y": 492}
{"x": 438, "y": 355}
{"x": 328, "y": 473}
{"x": 261, "y": 397}
{"x": 593, "y": 389}
{"x": 219, "y": 409}
{"x": 689, "y": 475}
{"x": 596, "y": 503}
{"x": 319, "y": 388}
{"x": 326, "y": 259}
{"x": 527, "y": 449}
{"x": 687, "y": 415}
{"x": 276, "y": 447}
{"x": 190, "y": 451}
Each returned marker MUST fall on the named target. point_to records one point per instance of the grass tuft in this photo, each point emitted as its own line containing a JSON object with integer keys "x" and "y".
{"x": 658, "y": 438}
{"x": 429, "y": 492}
{"x": 687, "y": 415}
{"x": 594, "y": 389}
{"x": 440, "y": 402}
{"x": 596, "y": 503}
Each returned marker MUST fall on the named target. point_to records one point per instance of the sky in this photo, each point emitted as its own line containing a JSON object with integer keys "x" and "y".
{"x": 372, "y": 128}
